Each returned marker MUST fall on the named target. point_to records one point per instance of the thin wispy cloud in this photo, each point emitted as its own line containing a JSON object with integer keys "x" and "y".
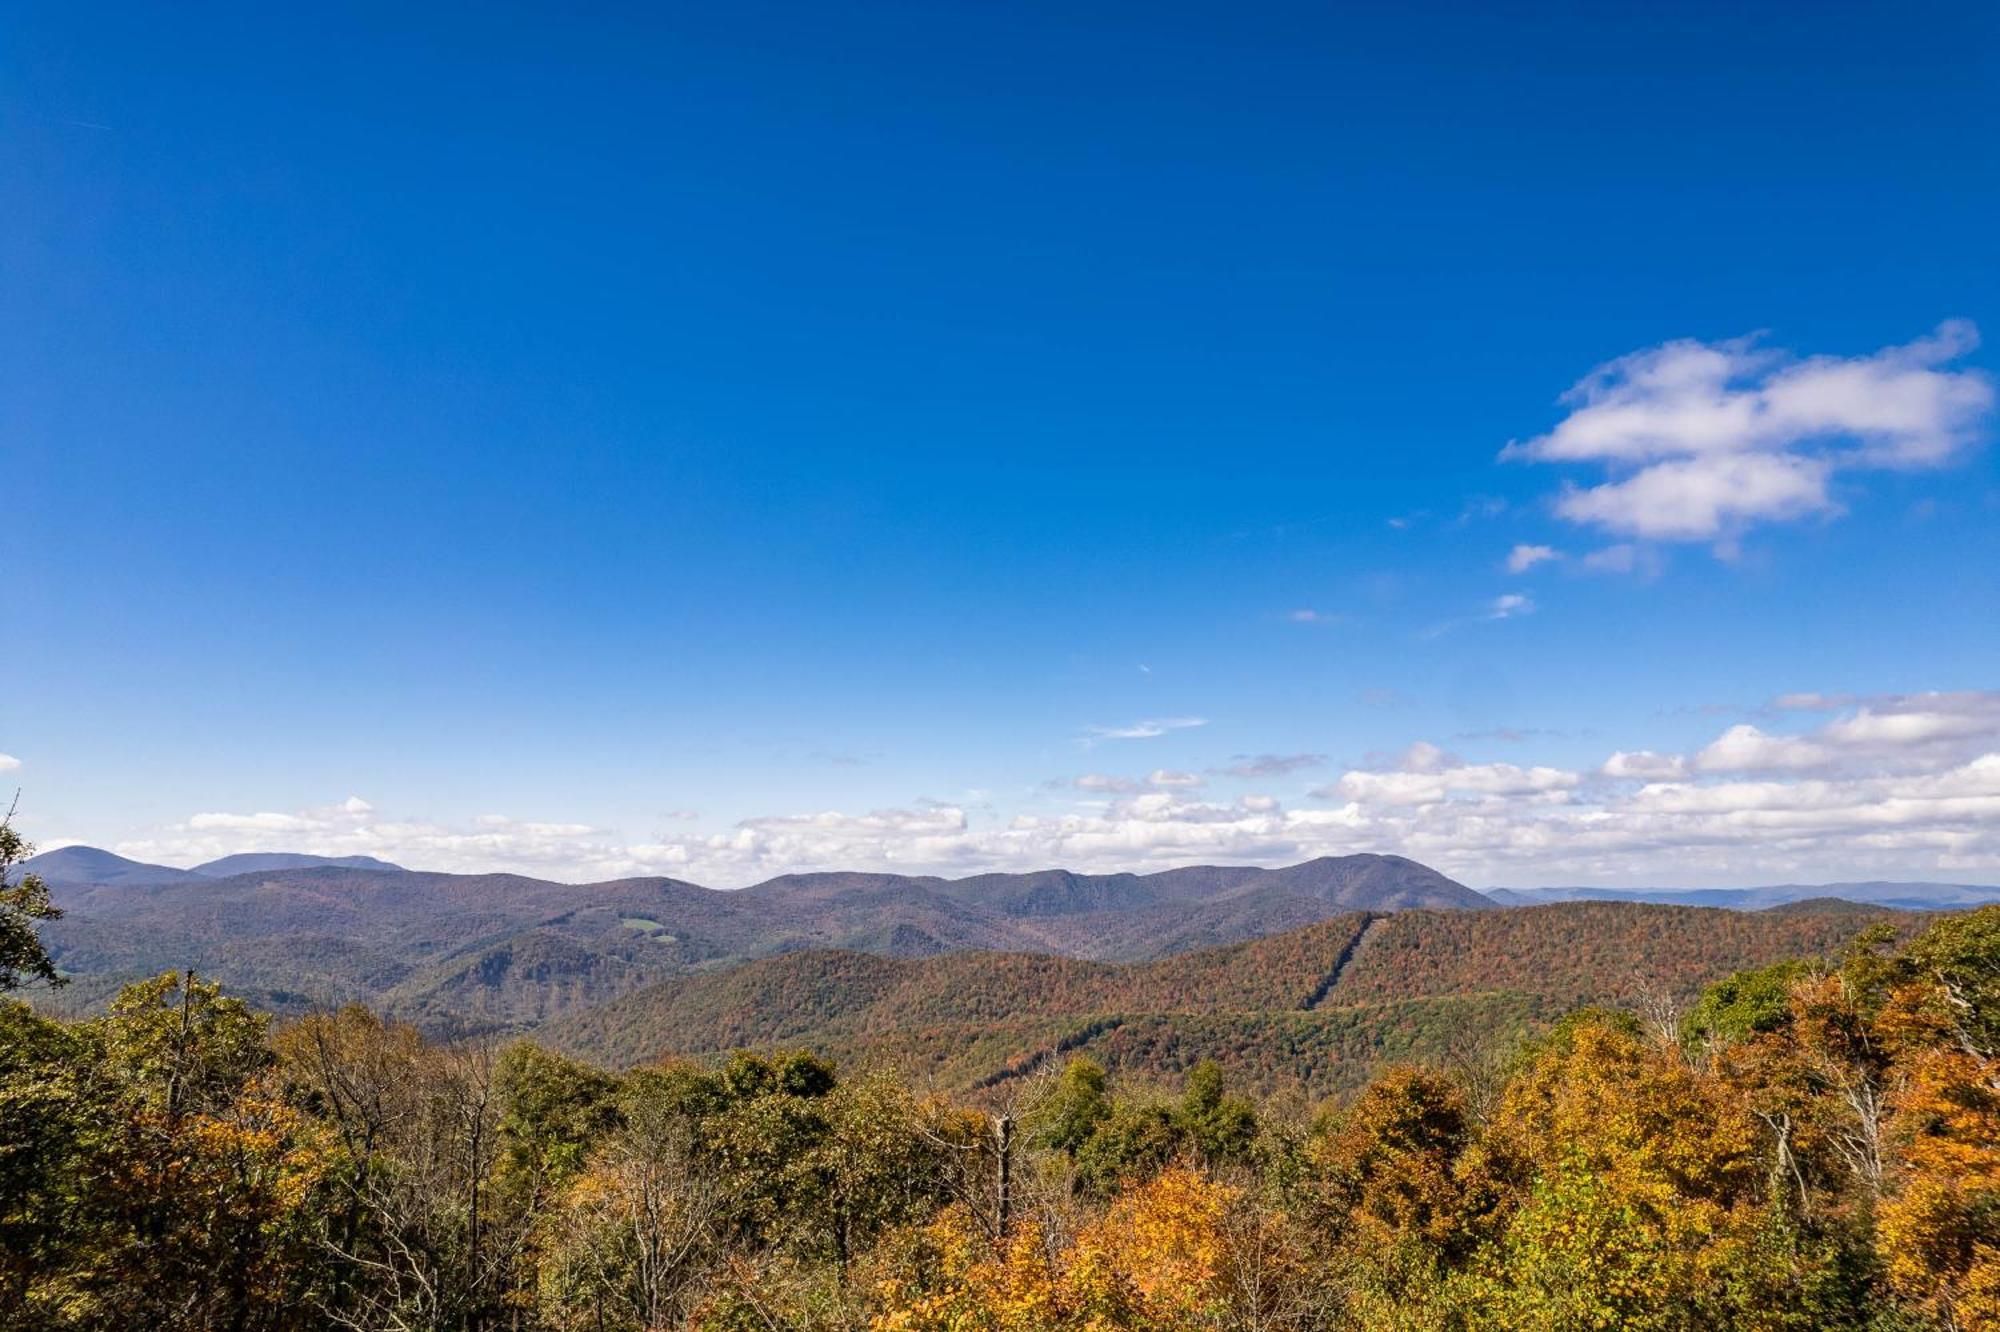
{"x": 1624, "y": 558}
{"x": 1147, "y": 729}
{"x": 1270, "y": 765}
{"x": 1506, "y": 606}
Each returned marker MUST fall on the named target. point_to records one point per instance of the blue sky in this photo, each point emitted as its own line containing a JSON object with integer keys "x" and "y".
{"x": 715, "y": 440}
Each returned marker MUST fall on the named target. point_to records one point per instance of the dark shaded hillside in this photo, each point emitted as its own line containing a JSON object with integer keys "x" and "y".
{"x": 89, "y": 865}
{"x": 500, "y": 951}
{"x": 1315, "y": 1008}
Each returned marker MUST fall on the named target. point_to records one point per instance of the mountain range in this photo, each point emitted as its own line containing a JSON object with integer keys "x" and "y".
{"x": 1303, "y": 977}
{"x": 505, "y": 951}
{"x": 90, "y": 865}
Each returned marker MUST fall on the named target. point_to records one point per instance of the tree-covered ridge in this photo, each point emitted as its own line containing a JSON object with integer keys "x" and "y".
{"x": 503, "y": 952}
{"x": 1313, "y": 1008}
{"x": 1579, "y": 952}
{"x": 1807, "y": 1145}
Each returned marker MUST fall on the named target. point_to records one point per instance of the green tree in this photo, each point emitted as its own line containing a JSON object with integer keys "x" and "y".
{"x": 55, "y": 1121}
{"x": 24, "y": 905}
{"x": 1738, "y": 1007}
{"x": 1076, "y": 1105}
{"x": 1960, "y": 956}
{"x": 1218, "y": 1126}
{"x": 204, "y": 1199}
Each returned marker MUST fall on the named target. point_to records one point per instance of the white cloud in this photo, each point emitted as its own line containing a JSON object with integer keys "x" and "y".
{"x": 1890, "y": 786}
{"x": 1523, "y": 557}
{"x": 1696, "y": 499}
{"x": 1507, "y": 606}
{"x": 1161, "y": 779}
{"x": 1745, "y": 748}
{"x": 1645, "y": 765}
{"x": 8, "y": 763}
{"x": 1704, "y": 440}
{"x": 1888, "y": 731}
{"x": 1142, "y": 730}
{"x": 266, "y": 822}
{"x": 1427, "y": 775}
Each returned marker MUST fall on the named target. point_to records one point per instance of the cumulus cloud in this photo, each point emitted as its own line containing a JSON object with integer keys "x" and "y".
{"x": 1428, "y": 775}
{"x": 1890, "y": 730}
{"x": 8, "y": 763}
{"x": 1644, "y": 765}
{"x": 1523, "y": 557}
{"x": 1697, "y": 499}
{"x": 1703, "y": 440}
{"x": 1745, "y": 748}
{"x": 1142, "y": 730}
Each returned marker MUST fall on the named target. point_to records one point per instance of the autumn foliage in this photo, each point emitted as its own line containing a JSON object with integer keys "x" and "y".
{"x": 1806, "y": 1146}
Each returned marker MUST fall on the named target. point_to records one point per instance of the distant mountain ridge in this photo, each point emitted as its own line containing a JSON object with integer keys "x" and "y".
{"x": 261, "y": 862}
{"x": 92, "y": 865}
{"x": 1897, "y": 896}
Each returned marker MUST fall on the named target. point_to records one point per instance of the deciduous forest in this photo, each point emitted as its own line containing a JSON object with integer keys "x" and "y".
{"x": 1807, "y": 1145}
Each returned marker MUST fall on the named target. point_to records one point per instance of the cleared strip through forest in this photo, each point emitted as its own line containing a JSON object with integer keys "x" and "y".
{"x": 1332, "y": 977}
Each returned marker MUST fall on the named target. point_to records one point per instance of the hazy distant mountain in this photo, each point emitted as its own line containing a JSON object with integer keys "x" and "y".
{"x": 259, "y": 862}
{"x": 502, "y": 950}
{"x": 1900, "y": 896}
{"x": 89, "y": 865}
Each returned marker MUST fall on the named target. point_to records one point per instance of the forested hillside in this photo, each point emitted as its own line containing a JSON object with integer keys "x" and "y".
{"x": 505, "y": 952}
{"x": 1806, "y": 1147}
{"x": 1313, "y": 1009}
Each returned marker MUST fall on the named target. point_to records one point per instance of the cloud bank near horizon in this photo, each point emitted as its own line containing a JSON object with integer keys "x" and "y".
{"x": 1821, "y": 787}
